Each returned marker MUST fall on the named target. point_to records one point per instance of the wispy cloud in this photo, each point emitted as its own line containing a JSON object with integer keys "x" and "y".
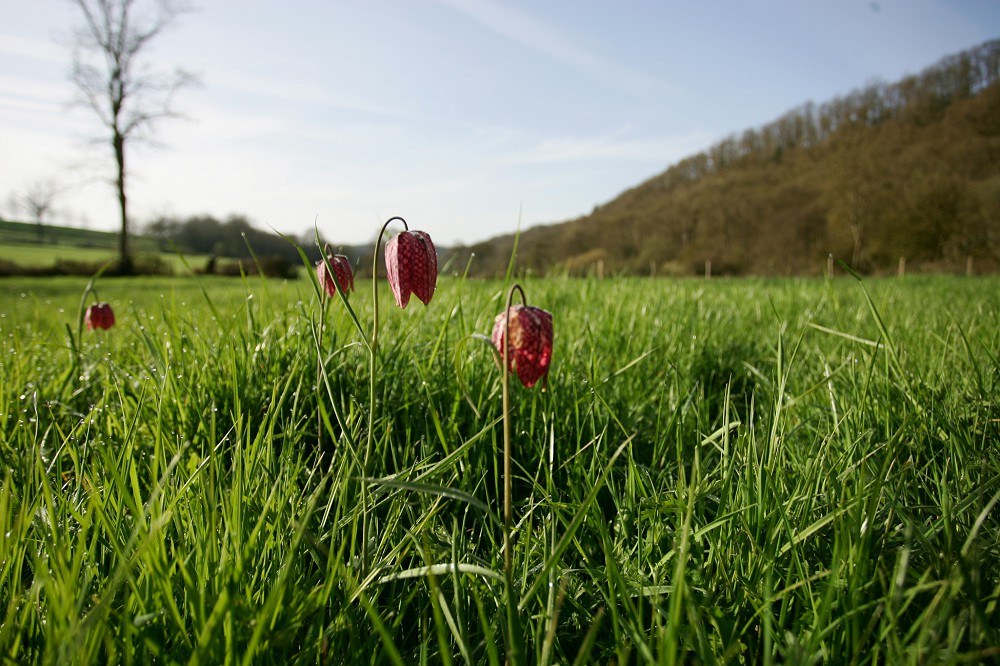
{"x": 620, "y": 144}
{"x": 37, "y": 49}
{"x": 28, "y": 89}
{"x": 297, "y": 92}
{"x": 532, "y": 33}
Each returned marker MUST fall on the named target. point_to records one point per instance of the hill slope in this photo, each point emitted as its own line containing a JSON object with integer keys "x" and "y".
{"x": 905, "y": 171}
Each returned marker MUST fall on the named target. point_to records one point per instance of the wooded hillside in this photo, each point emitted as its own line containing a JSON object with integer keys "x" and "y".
{"x": 905, "y": 171}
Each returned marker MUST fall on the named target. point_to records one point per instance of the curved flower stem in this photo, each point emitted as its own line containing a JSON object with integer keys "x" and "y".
{"x": 76, "y": 343}
{"x": 327, "y": 251}
{"x": 513, "y": 646}
{"x": 324, "y": 298}
{"x": 373, "y": 366}
{"x": 319, "y": 364}
{"x": 319, "y": 346}
{"x": 87, "y": 291}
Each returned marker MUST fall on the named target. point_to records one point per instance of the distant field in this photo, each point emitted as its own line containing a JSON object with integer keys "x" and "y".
{"x": 27, "y": 232}
{"x": 47, "y": 255}
{"x": 20, "y": 244}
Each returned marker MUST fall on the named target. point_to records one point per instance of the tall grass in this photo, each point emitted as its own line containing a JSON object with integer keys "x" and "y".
{"x": 722, "y": 471}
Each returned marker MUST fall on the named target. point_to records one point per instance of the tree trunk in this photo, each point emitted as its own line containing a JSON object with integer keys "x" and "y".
{"x": 125, "y": 263}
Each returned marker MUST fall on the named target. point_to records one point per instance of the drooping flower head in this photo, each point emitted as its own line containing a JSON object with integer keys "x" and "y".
{"x": 99, "y": 315}
{"x": 530, "y": 346}
{"x": 411, "y": 262}
{"x": 342, "y": 272}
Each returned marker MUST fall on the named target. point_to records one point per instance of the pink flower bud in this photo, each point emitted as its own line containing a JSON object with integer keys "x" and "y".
{"x": 411, "y": 262}
{"x": 99, "y": 315}
{"x": 342, "y": 271}
{"x": 530, "y": 347}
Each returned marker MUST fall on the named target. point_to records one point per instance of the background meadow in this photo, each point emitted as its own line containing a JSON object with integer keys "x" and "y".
{"x": 722, "y": 471}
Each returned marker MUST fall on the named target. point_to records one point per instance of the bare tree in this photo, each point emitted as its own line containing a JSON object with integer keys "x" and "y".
{"x": 127, "y": 97}
{"x": 38, "y": 200}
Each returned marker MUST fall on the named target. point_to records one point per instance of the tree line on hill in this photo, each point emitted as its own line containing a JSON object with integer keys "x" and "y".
{"x": 888, "y": 174}
{"x": 233, "y": 237}
{"x": 233, "y": 245}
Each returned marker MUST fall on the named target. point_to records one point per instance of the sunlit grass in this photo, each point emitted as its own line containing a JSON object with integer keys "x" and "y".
{"x": 41, "y": 255}
{"x": 792, "y": 471}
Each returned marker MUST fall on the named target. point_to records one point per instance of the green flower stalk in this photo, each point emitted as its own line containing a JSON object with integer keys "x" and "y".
{"x": 411, "y": 266}
{"x": 523, "y": 337}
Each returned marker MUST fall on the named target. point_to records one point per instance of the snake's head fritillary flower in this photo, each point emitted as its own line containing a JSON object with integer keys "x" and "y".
{"x": 530, "y": 347}
{"x": 342, "y": 272}
{"x": 99, "y": 315}
{"x": 411, "y": 262}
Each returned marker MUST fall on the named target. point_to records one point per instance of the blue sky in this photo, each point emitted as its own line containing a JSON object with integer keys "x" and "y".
{"x": 466, "y": 117}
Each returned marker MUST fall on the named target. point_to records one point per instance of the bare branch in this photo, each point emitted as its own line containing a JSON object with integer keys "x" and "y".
{"x": 39, "y": 198}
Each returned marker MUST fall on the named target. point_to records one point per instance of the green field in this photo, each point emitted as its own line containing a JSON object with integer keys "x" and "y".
{"x": 34, "y": 255}
{"x": 722, "y": 471}
{"x": 19, "y": 244}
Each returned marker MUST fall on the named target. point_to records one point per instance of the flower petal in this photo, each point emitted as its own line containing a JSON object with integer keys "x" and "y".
{"x": 530, "y": 346}
{"x": 425, "y": 266}
{"x": 342, "y": 271}
{"x": 99, "y": 315}
{"x": 411, "y": 265}
{"x": 397, "y": 269}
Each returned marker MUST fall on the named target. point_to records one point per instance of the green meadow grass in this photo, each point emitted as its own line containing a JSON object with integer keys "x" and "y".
{"x": 753, "y": 471}
{"x": 41, "y": 255}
